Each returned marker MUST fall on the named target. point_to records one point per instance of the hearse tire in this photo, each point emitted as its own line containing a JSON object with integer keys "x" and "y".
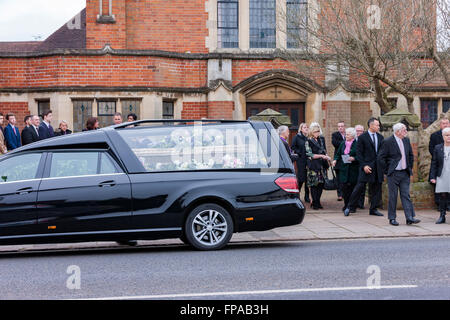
{"x": 208, "y": 227}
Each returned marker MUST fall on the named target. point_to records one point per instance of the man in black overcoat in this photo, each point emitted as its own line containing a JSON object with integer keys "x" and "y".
{"x": 370, "y": 171}
{"x": 336, "y": 139}
{"x": 30, "y": 132}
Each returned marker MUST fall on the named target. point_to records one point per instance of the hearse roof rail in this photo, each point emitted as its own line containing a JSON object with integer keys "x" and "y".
{"x": 171, "y": 121}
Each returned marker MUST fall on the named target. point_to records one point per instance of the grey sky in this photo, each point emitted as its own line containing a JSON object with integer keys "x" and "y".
{"x": 24, "y": 20}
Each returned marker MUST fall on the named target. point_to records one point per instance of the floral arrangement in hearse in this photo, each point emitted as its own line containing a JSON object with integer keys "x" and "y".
{"x": 192, "y": 149}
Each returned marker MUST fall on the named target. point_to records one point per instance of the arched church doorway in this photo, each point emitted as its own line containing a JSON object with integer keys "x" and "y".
{"x": 281, "y": 90}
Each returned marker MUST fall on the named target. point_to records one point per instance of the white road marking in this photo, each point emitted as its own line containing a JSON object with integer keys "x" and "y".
{"x": 256, "y": 292}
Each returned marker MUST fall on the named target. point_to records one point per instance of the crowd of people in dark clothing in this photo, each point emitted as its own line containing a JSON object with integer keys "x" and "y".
{"x": 11, "y": 138}
{"x": 361, "y": 161}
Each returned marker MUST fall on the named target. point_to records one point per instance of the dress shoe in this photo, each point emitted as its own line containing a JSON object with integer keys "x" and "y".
{"x": 413, "y": 220}
{"x": 340, "y": 199}
{"x": 376, "y": 213}
{"x": 393, "y": 222}
{"x": 361, "y": 207}
{"x": 307, "y": 200}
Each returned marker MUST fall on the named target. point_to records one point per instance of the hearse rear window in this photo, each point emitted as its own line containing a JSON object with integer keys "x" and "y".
{"x": 196, "y": 147}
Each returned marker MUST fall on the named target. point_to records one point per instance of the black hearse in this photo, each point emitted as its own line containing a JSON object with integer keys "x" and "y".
{"x": 199, "y": 181}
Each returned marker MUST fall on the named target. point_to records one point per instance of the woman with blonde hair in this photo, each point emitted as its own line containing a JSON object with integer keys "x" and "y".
{"x": 63, "y": 129}
{"x": 317, "y": 161}
{"x": 316, "y": 124}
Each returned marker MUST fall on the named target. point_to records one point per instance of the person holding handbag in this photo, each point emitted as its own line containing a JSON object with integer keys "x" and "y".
{"x": 317, "y": 162}
{"x": 345, "y": 160}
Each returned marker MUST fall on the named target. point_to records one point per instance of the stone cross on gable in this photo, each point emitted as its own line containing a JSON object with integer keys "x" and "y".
{"x": 276, "y": 91}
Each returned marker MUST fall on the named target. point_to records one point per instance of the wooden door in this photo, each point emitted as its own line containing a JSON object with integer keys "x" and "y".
{"x": 295, "y": 111}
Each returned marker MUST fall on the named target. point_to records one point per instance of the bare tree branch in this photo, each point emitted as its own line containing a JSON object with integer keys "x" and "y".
{"x": 390, "y": 44}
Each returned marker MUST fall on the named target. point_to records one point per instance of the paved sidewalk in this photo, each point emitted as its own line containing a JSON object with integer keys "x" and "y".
{"x": 330, "y": 223}
{"x": 326, "y": 224}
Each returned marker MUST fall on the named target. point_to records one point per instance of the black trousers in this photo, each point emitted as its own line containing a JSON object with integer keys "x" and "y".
{"x": 316, "y": 194}
{"x": 362, "y": 198}
{"x": 437, "y": 199}
{"x": 374, "y": 195}
{"x": 339, "y": 185}
{"x": 443, "y": 201}
{"x": 347, "y": 190}
{"x": 300, "y": 184}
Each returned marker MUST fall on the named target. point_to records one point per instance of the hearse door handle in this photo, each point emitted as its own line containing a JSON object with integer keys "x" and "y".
{"x": 109, "y": 183}
{"x": 24, "y": 190}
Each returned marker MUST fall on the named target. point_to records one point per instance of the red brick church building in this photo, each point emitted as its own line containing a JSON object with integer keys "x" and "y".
{"x": 180, "y": 59}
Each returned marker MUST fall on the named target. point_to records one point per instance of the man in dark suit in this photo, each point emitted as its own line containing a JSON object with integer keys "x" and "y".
{"x": 45, "y": 129}
{"x": 397, "y": 160}
{"x": 336, "y": 139}
{"x": 368, "y": 148}
{"x": 30, "y": 133}
{"x": 359, "y": 128}
{"x": 12, "y": 134}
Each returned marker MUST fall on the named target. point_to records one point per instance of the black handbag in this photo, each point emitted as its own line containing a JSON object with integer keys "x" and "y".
{"x": 329, "y": 184}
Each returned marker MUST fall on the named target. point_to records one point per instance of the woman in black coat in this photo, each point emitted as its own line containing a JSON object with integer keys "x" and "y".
{"x": 63, "y": 129}
{"x": 316, "y": 163}
{"x": 440, "y": 173}
{"x": 298, "y": 146}
{"x": 349, "y": 170}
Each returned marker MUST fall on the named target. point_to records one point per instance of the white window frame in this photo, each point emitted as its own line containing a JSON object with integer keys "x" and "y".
{"x": 244, "y": 27}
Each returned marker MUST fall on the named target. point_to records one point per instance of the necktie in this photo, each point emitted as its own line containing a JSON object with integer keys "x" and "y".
{"x": 402, "y": 151}
{"x": 15, "y": 132}
{"x": 374, "y": 141}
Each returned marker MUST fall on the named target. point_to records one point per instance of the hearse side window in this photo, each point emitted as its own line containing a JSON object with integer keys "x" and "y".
{"x": 196, "y": 147}
{"x": 70, "y": 164}
{"x": 22, "y": 167}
